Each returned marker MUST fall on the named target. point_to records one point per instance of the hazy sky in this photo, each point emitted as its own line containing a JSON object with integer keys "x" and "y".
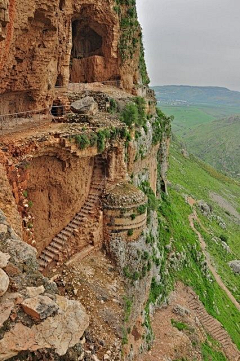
{"x": 195, "y": 42}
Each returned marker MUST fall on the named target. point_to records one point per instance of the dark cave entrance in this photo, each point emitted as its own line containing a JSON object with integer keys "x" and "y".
{"x": 57, "y": 109}
{"x": 94, "y": 54}
{"x": 86, "y": 41}
{"x": 59, "y": 81}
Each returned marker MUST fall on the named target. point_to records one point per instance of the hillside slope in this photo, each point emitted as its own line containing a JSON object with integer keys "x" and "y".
{"x": 207, "y": 119}
{"x": 199, "y": 228}
{"x": 218, "y": 144}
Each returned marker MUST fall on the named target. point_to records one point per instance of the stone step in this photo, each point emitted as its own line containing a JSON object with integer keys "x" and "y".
{"x": 91, "y": 200}
{"x": 76, "y": 222}
{"x": 216, "y": 328}
{"x": 79, "y": 217}
{"x": 67, "y": 232}
{"x": 59, "y": 240}
{"x": 60, "y": 235}
{"x": 88, "y": 206}
{"x": 48, "y": 253}
{"x": 84, "y": 211}
{"x": 69, "y": 228}
{"x": 72, "y": 225}
{"x": 52, "y": 249}
{"x": 46, "y": 258}
{"x": 42, "y": 263}
{"x": 221, "y": 337}
{"x": 92, "y": 197}
{"x": 56, "y": 245}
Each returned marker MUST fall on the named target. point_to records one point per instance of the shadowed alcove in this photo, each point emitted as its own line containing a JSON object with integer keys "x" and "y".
{"x": 92, "y": 57}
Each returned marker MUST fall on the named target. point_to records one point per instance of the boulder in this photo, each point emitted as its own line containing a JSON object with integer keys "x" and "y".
{"x": 35, "y": 291}
{"x": 4, "y": 257}
{"x": 59, "y": 332}
{"x": 235, "y": 266}
{"x": 204, "y": 207}
{"x": 39, "y": 307}
{"x": 86, "y": 105}
{"x": 4, "y": 282}
{"x": 181, "y": 311}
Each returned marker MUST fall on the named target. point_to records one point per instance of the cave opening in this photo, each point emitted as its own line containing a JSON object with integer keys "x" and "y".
{"x": 86, "y": 41}
{"x": 94, "y": 53}
{"x": 59, "y": 81}
{"x": 57, "y": 109}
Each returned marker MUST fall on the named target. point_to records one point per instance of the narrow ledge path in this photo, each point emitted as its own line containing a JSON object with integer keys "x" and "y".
{"x": 193, "y": 217}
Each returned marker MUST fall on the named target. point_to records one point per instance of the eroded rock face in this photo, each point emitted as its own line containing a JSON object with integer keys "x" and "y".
{"x": 60, "y": 332}
{"x": 4, "y": 257}
{"x": 4, "y": 282}
{"x": 39, "y": 307}
{"x": 44, "y": 44}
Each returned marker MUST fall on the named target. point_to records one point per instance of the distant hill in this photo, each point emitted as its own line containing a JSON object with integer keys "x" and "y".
{"x": 207, "y": 119}
{"x": 217, "y": 143}
{"x": 195, "y": 95}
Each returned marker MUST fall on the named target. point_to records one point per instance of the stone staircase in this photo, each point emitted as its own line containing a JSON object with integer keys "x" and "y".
{"x": 214, "y": 328}
{"x": 60, "y": 242}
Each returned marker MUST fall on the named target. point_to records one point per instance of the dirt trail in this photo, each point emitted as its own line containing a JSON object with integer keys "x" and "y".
{"x": 218, "y": 279}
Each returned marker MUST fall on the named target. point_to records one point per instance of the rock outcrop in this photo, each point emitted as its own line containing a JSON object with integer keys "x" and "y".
{"x": 235, "y": 266}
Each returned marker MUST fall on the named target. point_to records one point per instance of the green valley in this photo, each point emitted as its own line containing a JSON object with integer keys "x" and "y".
{"x": 207, "y": 120}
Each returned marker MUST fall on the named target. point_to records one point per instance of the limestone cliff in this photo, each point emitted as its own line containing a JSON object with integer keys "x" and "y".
{"x": 83, "y": 161}
{"x": 46, "y": 43}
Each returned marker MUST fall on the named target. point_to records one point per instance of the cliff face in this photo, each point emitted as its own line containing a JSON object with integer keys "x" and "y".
{"x": 43, "y": 44}
{"x": 82, "y": 170}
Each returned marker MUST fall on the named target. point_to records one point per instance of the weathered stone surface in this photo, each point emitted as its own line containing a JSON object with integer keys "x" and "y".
{"x": 5, "y": 311}
{"x": 180, "y": 310}
{"x": 59, "y": 332}
{"x": 4, "y": 282}
{"x": 65, "y": 329}
{"x": 4, "y": 257}
{"x": 235, "y": 266}
{"x": 3, "y": 228}
{"x": 35, "y": 291}
{"x": 39, "y": 307}
{"x": 19, "y": 338}
{"x": 86, "y": 105}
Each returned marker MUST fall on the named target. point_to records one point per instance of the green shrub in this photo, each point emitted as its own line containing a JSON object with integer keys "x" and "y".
{"x": 179, "y": 325}
{"x": 130, "y": 232}
{"x": 93, "y": 139}
{"x": 224, "y": 238}
{"x": 82, "y": 141}
{"x": 141, "y": 105}
{"x": 25, "y": 193}
{"x": 142, "y": 208}
{"x": 130, "y": 114}
{"x": 161, "y": 125}
{"x": 101, "y": 142}
{"x": 127, "y": 307}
